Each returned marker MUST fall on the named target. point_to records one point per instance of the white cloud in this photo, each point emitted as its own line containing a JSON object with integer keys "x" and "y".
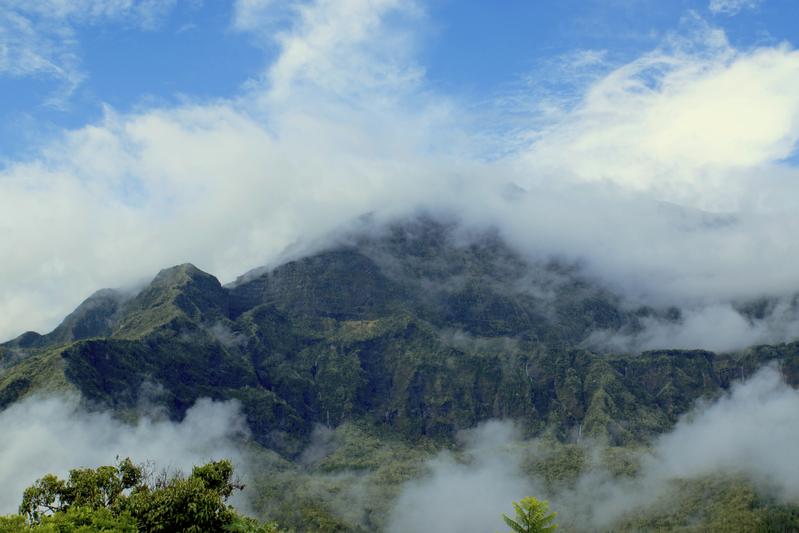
{"x": 679, "y": 122}
{"x": 327, "y": 49}
{"x": 665, "y": 180}
{"x": 732, "y": 7}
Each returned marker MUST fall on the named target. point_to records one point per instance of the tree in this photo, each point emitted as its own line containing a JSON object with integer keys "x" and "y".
{"x": 124, "y": 498}
{"x": 91, "y": 488}
{"x": 195, "y": 503}
{"x": 531, "y": 517}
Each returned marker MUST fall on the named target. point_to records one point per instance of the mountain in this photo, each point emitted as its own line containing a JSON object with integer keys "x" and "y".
{"x": 417, "y": 329}
{"x": 355, "y": 364}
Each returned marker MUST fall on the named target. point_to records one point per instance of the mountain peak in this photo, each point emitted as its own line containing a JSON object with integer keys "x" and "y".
{"x": 179, "y": 275}
{"x": 179, "y": 290}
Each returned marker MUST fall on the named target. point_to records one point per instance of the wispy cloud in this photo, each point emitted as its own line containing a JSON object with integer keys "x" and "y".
{"x": 732, "y": 7}
{"x": 251, "y": 15}
{"x": 39, "y": 39}
{"x": 344, "y": 49}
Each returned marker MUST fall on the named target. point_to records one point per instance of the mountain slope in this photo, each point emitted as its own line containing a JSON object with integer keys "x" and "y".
{"x": 417, "y": 330}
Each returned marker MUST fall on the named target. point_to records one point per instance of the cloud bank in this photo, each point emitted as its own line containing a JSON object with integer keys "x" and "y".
{"x": 669, "y": 179}
{"x": 54, "y": 435}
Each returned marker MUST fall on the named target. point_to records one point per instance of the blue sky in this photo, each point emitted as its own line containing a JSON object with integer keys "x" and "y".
{"x": 468, "y": 49}
{"x": 653, "y": 142}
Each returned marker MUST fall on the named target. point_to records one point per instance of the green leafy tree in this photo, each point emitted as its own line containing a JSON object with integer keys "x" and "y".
{"x": 92, "y": 488}
{"x": 72, "y": 520}
{"x": 532, "y": 516}
{"x": 124, "y": 498}
{"x": 196, "y": 503}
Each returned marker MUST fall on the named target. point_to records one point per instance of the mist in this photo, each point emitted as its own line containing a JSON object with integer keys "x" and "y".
{"x": 750, "y": 431}
{"x": 54, "y": 434}
{"x": 465, "y": 497}
{"x": 716, "y": 327}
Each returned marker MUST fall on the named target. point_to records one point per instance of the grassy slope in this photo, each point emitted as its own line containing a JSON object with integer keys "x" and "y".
{"x": 39, "y": 373}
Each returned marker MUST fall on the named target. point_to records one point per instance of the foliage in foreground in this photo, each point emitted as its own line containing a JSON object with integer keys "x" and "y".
{"x": 124, "y": 498}
{"x": 532, "y": 516}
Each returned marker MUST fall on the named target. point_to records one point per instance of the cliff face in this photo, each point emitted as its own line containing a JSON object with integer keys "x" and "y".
{"x": 408, "y": 330}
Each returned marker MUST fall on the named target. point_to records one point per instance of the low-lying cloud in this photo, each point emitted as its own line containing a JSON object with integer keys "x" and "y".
{"x": 458, "y": 497}
{"x": 716, "y": 327}
{"x": 750, "y": 431}
{"x": 55, "y": 434}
